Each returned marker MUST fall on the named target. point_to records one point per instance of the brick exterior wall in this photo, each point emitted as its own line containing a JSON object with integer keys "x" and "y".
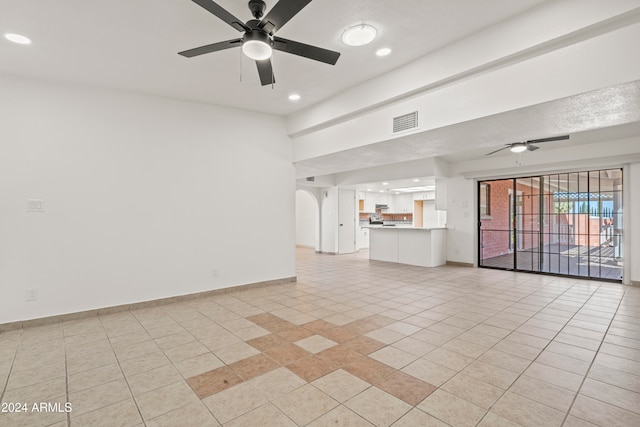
{"x": 495, "y": 227}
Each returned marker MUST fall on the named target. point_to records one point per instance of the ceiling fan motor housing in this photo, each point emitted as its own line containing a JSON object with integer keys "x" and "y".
{"x": 257, "y": 8}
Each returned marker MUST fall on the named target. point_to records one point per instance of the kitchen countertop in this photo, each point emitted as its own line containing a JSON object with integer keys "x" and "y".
{"x": 401, "y": 227}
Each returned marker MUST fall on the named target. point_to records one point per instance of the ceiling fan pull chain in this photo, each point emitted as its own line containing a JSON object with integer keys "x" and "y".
{"x": 240, "y": 66}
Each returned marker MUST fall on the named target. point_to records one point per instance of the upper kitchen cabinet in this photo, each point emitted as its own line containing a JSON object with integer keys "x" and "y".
{"x": 403, "y": 203}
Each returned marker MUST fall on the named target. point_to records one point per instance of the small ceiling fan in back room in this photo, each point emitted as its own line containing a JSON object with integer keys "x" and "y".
{"x": 259, "y": 38}
{"x": 519, "y": 147}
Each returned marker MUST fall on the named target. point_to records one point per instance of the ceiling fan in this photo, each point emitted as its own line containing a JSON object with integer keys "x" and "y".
{"x": 519, "y": 147}
{"x": 259, "y": 40}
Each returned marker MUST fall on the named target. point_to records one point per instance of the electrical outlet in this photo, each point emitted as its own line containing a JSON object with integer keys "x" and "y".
{"x": 214, "y": 272}
{"x": 32, "y": 295}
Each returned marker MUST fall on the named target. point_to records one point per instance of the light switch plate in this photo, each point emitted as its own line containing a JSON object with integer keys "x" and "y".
{"x": 35, "y": 205}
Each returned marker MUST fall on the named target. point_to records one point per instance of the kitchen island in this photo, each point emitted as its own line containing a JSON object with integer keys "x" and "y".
{"x": 426, "y": 247}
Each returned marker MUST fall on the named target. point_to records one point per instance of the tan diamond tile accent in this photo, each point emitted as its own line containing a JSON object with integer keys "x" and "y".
{"x": 364, "y": 345}
{"x": 369, "y": 370}
{"x": 287, "y": 353}
{"x": 339, "y": 335}
{"x": 214, "y": 381}
{"x": 295, "y": 334}
{"x": 267, "y": 341}
{"x": 318, "y": 326}
{"x": 311, "y": 368}
{"x": 254, "y": 366}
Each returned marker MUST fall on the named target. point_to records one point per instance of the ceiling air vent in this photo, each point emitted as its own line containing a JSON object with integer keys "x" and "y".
{"x": 311, "y": 178}
{"x": 405, "y": 122}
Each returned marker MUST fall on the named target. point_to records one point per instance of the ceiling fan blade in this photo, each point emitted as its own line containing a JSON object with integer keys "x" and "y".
{"x": 500, "y": 149}
{"x": 265, "y": 70}
{"x": 306, "y": 50}
{"x": 221, "y": 13}
{"x": 553, "y": 138}
{"x": 532, "y": 147}
{"x": 211, "y": 48}
{"x": 281, "y": 13}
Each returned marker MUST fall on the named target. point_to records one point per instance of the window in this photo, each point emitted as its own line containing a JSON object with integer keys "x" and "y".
{"x": 485, "y": 197}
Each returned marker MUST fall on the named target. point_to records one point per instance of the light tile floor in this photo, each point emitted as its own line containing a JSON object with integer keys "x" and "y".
{"x": 352, "y": 343}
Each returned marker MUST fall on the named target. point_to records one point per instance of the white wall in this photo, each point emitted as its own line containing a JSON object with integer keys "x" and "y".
{"x": 143, "y": 197}
{"x": 306, "y": 220}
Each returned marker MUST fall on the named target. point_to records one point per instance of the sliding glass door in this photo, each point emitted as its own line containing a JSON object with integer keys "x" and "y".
{"x": 567, "y": 224}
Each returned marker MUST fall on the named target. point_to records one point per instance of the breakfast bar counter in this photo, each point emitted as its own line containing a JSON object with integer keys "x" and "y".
{"x": 426, "y": 247}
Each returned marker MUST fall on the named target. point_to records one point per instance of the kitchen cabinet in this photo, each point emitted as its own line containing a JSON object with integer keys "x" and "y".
{"x": 369, "y": 202}
{"x": 403, "y": 203}
{"x": 373, "y": 199}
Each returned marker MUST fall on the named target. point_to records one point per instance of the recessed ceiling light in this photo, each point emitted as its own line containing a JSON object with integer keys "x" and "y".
{"x": 294, "y": 97}
{"x": 359, "y": 35}
{"x": 368, "y": 189}
{"x": 382, "y": 191}
{"x": 17, "y": 38}
{"x": 385, "y": 183}
{"x": 383, "y": 52}
{"x": 416, "y": 180}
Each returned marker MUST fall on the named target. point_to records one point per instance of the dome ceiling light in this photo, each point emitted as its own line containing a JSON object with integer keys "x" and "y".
{"x": 359, "y": 35}
{"x": 17, "y": 38}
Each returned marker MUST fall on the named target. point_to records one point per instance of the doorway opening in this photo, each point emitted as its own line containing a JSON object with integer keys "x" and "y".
{"x": 566, "y": 224}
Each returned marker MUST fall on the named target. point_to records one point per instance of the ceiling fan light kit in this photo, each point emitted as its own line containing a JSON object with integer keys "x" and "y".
{"x": 519, "y": 147}
{"x": 259, "y": 39}
{"x": 257, "y": 45}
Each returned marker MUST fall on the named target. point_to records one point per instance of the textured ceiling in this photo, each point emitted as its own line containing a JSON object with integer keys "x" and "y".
{"x": 133, "y": 44}
{"x": 608, "y": 108}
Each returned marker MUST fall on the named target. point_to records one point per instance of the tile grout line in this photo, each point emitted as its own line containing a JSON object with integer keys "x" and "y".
{"x": 320, "y": 288}
{"x": 184, "y": 380}
{"x": 123, "y": 374}
{"x": 586, "y": 375}
{"x": 66, "y": 374}
{"x": 13, "y": 361}
{"x": 541, "y": 350}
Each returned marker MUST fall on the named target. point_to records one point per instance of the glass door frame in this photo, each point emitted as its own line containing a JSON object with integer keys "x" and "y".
{"x": 548, "y": 220}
